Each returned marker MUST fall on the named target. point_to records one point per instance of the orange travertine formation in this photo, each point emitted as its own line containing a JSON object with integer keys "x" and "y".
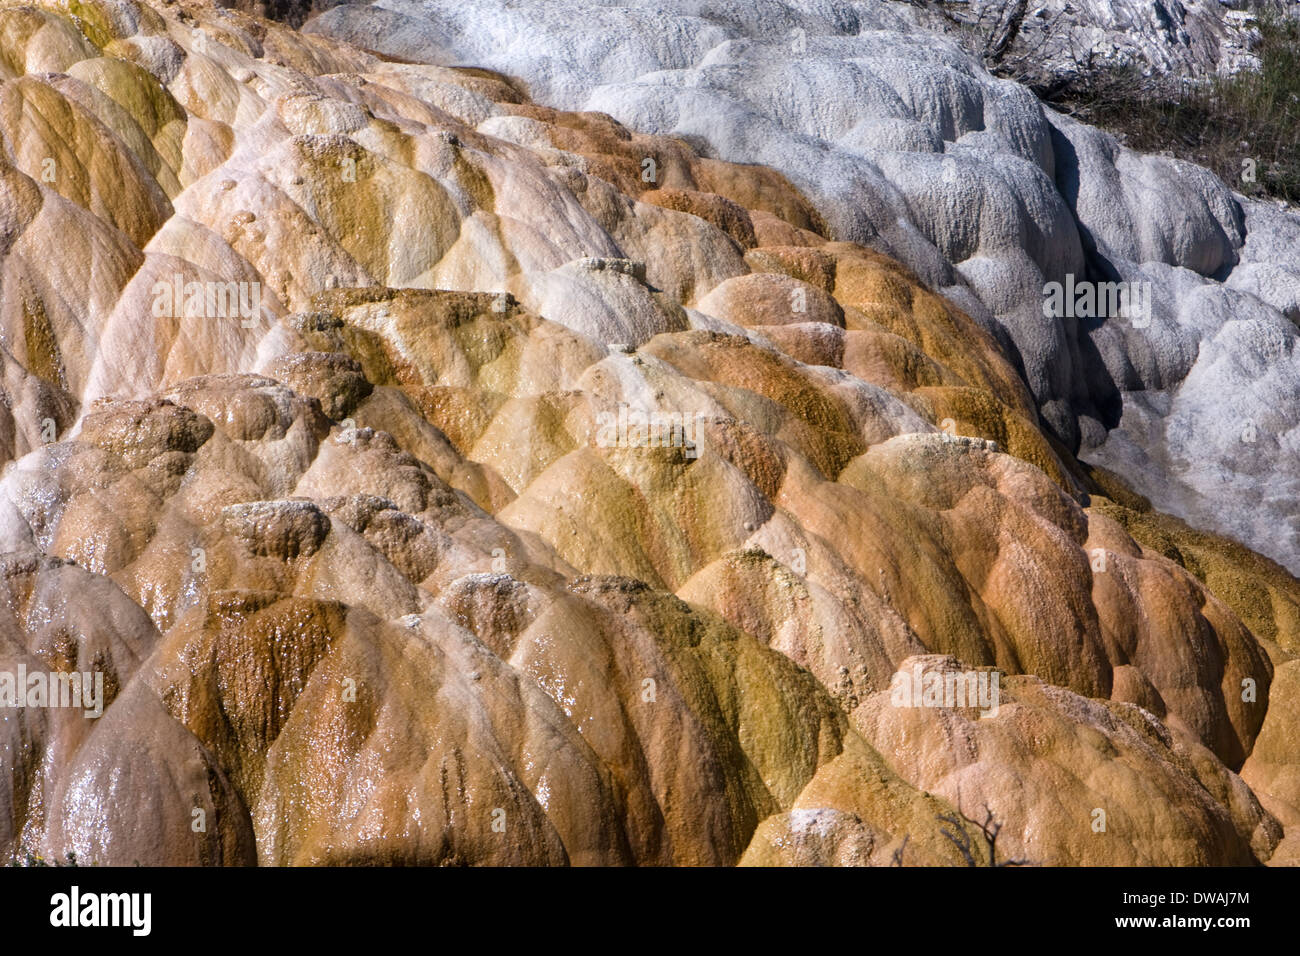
{"x": 566, "y": 498}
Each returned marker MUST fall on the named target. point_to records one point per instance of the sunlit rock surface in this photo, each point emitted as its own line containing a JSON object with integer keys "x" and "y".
{"x": 547, "y": 506}
{"x": 1059, "y": 42}
{"x": 906, "y": 144}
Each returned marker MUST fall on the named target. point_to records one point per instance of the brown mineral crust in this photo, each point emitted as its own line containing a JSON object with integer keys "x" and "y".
{"x": 377, "y": 574}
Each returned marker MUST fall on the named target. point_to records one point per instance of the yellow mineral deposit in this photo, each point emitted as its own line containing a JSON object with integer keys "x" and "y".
{"x": 364, "y": 586}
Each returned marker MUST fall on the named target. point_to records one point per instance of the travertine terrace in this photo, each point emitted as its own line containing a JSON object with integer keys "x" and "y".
{"x": 366, "y": 585}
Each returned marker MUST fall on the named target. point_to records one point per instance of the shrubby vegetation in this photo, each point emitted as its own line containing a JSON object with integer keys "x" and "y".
{"x": 1242, "y": 126}
{"x": 1245, "y": 127}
